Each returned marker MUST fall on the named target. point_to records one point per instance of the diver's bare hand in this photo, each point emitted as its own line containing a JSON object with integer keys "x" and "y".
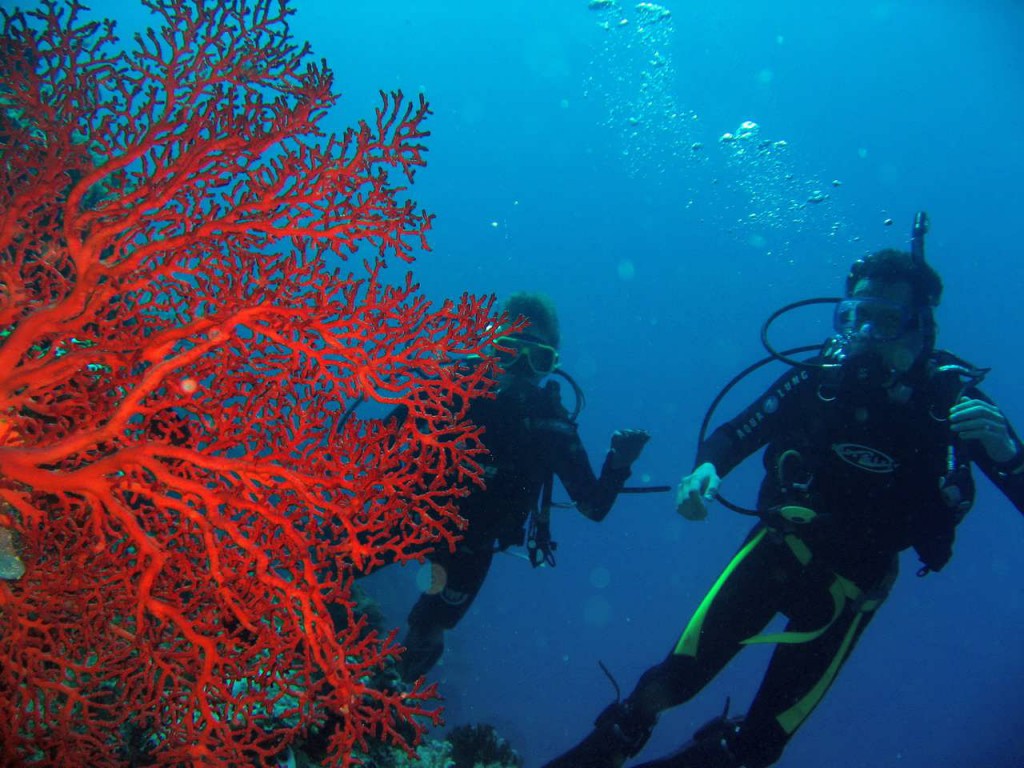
{"x": 695, "y": 490}
{"x": 974, "y": 419}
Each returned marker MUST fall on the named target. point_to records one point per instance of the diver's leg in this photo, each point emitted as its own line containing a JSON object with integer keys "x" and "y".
{"x": 799, "y": 675}
{"x": 740, "y": 604}
{"x": 458, "y": 579}
{"x": 796, "y": 680}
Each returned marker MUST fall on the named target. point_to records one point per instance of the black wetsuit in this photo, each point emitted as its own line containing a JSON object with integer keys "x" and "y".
{"x": 529, "y": 437}
{"x": 852, "y": 478}
{"x": 874, "y": 465}
{"x": 880, "y": 472}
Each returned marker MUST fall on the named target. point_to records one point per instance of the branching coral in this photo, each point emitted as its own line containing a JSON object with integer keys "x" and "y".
{"x": 176, "y": 356}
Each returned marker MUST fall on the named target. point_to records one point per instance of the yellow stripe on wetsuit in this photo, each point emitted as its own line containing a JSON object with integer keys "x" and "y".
{"x": 687, "y": 645}
{"x": 842, "y": 590}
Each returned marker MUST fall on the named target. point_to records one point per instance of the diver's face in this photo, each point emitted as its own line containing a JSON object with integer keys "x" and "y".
{"x": 888, "y": 325}
{"x": 525, "y": 359}
{"x": 517, "y": 374}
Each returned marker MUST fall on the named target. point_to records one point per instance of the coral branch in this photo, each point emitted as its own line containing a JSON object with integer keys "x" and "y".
{"x": 180, "y": 499}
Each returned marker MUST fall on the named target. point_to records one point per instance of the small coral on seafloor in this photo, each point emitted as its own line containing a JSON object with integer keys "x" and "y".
{"x": 480, "y": 745}
{"x": 465, "y": 746}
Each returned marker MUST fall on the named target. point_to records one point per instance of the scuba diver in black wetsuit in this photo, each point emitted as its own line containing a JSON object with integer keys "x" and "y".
{"x": 869, "y": 448}
{"x": 530, "y": 438}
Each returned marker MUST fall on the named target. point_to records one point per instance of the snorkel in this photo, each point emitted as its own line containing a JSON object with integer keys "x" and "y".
{"x": 917, "y": 233}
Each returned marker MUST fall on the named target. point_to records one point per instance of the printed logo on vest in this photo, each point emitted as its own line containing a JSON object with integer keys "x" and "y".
{"x": 863, "y": 457}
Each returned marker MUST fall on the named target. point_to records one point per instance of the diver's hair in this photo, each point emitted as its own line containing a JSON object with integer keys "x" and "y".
{"x": 892, "y": 266}
{"x": 539, "y": 311}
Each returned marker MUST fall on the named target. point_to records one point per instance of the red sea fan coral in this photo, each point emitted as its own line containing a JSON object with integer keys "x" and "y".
{"x": 175, "y": 477}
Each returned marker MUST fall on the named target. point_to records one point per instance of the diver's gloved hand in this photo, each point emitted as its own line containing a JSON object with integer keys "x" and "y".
{"x": 695, "y": 490}
{"x": 626, "y": 447}
{"x": 981, "y": 421}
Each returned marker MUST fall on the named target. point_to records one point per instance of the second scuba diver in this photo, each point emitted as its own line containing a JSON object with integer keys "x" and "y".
{"x": 530, "y": 438}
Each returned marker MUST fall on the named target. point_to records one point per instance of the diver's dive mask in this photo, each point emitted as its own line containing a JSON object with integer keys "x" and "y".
{"x": 874, "y": 319}
{"x": 514, "y": 351}
{"x": 872, "y": 335}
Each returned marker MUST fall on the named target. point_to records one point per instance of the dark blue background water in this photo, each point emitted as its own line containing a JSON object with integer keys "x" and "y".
{"x": 561, "y": 160}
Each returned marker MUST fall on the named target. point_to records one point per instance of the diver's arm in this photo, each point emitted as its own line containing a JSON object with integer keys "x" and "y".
{"x": 592, "y": 495}
{"x": 735, "y": 440}
{"x": 1007, "y": 476}
{"x": 757, "y": 424}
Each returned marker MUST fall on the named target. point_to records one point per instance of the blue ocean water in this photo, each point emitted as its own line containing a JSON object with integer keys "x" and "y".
{"x": 563, "y": 160}
{"x": 579, "y": 152}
